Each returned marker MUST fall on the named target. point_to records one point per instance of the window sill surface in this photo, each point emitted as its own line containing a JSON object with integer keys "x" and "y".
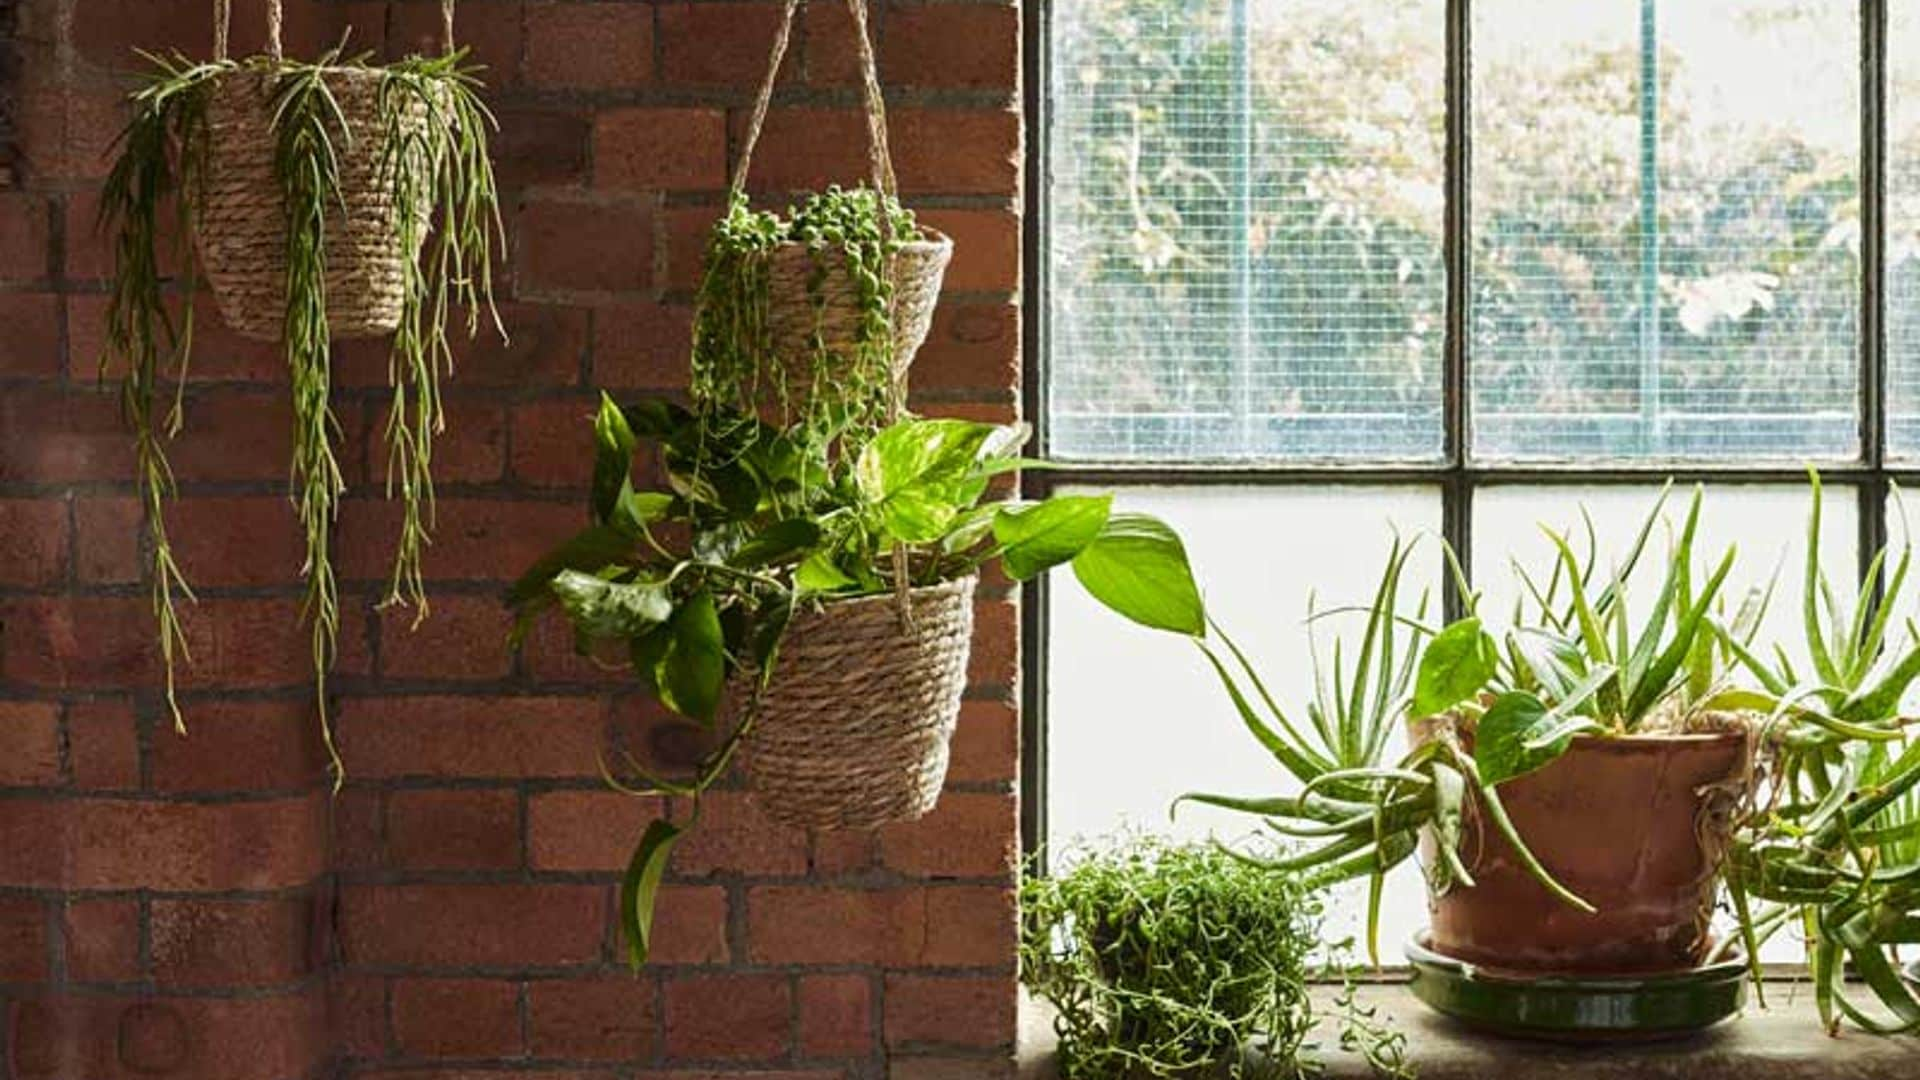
{"x": 1781, "y": 1042}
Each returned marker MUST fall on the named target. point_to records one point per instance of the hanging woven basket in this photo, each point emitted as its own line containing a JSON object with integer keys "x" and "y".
{"x": 240, "y": 224}
{"x": 813, "y": 303}
{"x": 852, "y": 730}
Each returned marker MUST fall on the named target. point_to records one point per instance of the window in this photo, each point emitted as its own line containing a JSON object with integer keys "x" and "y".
{"x": 1313, "y": 273}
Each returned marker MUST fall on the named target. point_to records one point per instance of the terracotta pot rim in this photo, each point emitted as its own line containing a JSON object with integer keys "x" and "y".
{"x": 1653, "y": 739}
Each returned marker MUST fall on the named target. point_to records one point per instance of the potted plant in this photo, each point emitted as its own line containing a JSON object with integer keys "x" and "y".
{"x": 815, "y": 608}
{"x": 1169, "y": 960}
{"x": 336, "y": 198}
{"x": 817, "y": 315}
{"x": 1708, "y": 764}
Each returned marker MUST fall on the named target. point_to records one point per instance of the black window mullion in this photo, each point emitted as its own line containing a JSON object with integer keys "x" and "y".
{"x": 1873, "y": 334}
{"x": 1456, "y": 492}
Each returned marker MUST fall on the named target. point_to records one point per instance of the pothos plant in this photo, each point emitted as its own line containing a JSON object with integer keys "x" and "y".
{"x": 149, "y": 206}
{"x": 694, "y": 584}
{"x": 847, "y": 389}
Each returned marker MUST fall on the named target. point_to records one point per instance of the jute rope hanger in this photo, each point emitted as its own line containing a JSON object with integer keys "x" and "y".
{"x": 276, "y": 18}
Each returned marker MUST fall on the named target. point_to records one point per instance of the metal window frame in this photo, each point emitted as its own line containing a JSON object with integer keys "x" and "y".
{"x": 1456, "y": 476}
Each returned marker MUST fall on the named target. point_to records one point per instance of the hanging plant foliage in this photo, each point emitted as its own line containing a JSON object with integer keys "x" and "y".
{"x": 336, "y": 198}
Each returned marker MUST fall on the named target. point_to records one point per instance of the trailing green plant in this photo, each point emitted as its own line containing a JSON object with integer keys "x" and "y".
{"x": 1833, "y": 849}
{"x": 148, "y": 207}
{"x": 695, "y": 584}
{"x": 1166, "y": 960}
{"x": 736, "y": 367}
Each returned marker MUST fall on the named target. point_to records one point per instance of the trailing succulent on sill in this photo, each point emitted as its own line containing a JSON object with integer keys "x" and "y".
{"x": 1823, "y": 835}
{"x": 695, "y": 584}
{"x": 1164, "y": 960}
{"x": 446, "y": 220}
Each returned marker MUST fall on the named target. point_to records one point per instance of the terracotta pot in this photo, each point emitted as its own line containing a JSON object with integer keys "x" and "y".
{"x": 1615, "y": 820}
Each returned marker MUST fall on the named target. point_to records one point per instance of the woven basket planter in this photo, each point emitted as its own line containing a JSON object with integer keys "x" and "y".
{"x": 240, "y": 229}
{"x": 809, "y": 292}
{"x": 853, "y": 728}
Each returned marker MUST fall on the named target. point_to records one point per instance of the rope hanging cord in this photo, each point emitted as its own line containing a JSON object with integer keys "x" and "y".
{"x": 276, "y": 19}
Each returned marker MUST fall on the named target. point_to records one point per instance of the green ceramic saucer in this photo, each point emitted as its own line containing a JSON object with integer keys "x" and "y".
{"x": 1578, "y": 1008}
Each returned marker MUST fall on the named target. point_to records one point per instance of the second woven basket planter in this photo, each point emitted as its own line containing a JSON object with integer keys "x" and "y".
{"x": 853, "y": 728}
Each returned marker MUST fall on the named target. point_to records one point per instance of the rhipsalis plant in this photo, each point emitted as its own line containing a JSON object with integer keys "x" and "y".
{"x": 149, "y": 208}
{"x": 737, "y": 369}
{"x": 1162, "y": 960}
{"x": 693, "y": 585}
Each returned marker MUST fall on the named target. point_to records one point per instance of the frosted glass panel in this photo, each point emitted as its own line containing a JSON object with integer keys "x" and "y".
{"x": 1135, "y": 718}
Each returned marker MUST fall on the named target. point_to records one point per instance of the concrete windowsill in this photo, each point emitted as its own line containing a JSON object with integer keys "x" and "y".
{"x": 1782, "y": 1042}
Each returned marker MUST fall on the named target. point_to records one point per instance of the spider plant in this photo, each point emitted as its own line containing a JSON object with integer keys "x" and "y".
{"x": 1834, "y": 848}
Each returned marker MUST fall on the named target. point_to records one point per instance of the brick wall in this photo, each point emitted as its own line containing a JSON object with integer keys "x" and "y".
{"x": 202, "y": 907}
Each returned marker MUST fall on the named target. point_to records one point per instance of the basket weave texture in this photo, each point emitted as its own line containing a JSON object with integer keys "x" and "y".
{"x": 240, "y": 229}
{"x": 853, "y": 728}
{"x": 810, "y": 291}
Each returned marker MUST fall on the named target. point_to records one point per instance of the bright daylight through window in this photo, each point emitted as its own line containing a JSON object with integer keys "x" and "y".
{"x": 1321, "y": 277}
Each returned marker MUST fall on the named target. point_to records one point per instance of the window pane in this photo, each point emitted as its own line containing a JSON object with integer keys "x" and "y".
{"x": 1766, "y": 524}
{"x": 1245, "y": 238}
{"x": 1903, "y": 232}
{"x": 1726, "y": 329}
{"x": 1136, "y": 718}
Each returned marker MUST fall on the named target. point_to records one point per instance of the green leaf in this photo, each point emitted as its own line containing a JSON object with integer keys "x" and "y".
{"x": 1138, "y": 568}
{"x": 776, "y": 543}
{"x": 591, "y": 549}
{"x": 918, "y": 453}
{"x": 693, "y": 670}
{"x": 1459, "y": 661}
{"x": 640, "y": 887}
{"x": 1500, "y": 750}
{"x": 1034, "y": 539}
{"x": 613, "y": 459}
{"x": 818, "y": 574}
{"x": 917, "y": 516}
{"x": 635, "y": 510}
{"x": 609, "y": 609}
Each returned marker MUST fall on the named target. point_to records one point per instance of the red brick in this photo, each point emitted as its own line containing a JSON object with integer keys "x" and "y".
{"x": 642, "y": 346}
{"x": 579, "y": 46}
{"x": 918, "y": 1067}
{"x": 689, "y": 926}
{"x": 972, "y": 346}
{"x": 247, "y": 643}
{"x": 544, "y": 349}
{"x": 553, "y": 442}
{"x": 55, "y": 437}
{"x": 231, "y": 942}
{"x": 103, "y": 745}
{"x": 585, "y": 247}
{"x": 603, "y": 1019}
{"x": 842, "y": 851}
{"x": 952, "y": 1011}
{"x": 586, "y": 831}
{"x": 206, "y": 1038}
{"x": 810, "y": 924}
{"x": 995, "y": 658}
{"x": 219, "y": 421}
{"x": 461, "y": 829}
{"x": 461, "y": 638}
{"x": 219, "y": 353}
{"x": 77, "y": 642}
{"x": 357, "y": 830}
{"x": 456, "y": 1018}
{"x": 124, "y": 844}
{"x": 473, "y": 540}
{"x": 23, "y": 236}
{"x": 971, "y": 926}
{"x": 720, "y": 44}
{"x": 31, "y": 344}
{"x": 105, "y": 30}
{"x": 490, "y": 29}
{"x": 242, "y": 745}
{"x": 686, "y": 231}
{"x": 728, "y": 1017}
{"x": 936, "y": 151}
{"x": 836, "y": 1016}
{"x": 660, "y": 148}
{"x": 472, "y": 449}
{"x": 108, "y": 532}
{"x": 966, "y": 835}
{"x": 479, "y": 925}
{"x": 237, "y": 540}
{"x": 23, "y": 939}
{"x": 357, "y": 1014}
{"x": 102, "y": 940}
{"x": 986, "y": 248}
{"x": 540, "y": 145}
{"x": 735, "y": 837}
{"x": 384, "y": 738}
{"x": 957, "y": 46}
{"x": 30, "y": 731}
{"x": 986, "y": 745}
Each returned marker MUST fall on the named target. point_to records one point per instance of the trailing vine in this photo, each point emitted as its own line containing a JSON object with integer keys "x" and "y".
{"x": 161, "y": 166}
{"x": 838, "y": 397}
